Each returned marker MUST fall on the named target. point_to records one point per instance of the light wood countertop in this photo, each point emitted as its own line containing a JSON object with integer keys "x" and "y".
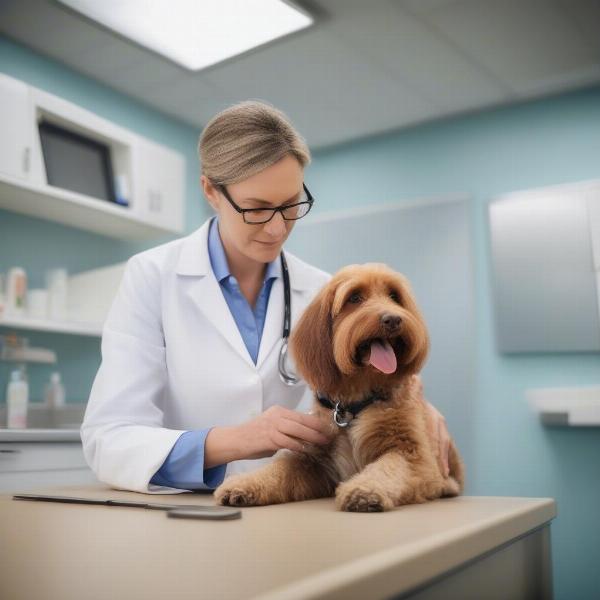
{"x": 298, "y": 550}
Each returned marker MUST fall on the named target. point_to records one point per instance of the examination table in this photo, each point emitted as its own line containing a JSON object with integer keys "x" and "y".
{"x": 465, "y": 547}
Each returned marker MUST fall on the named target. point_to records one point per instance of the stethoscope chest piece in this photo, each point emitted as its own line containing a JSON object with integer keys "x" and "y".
{"x": 286, "y": 377}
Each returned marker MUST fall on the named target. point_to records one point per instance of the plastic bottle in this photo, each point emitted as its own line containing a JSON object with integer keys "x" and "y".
{"x": 16, "y": 292}
{"x": 57, "y": 283}
{"x": 17, "y": 399}
{"x": 54, "y": 394}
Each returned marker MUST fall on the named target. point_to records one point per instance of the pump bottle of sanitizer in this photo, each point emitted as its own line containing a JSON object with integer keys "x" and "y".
{"x": 54, "y": 394}
{"x": 17, "y": 399}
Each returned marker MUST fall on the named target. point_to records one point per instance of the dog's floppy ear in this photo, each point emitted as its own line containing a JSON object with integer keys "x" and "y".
{"x": 311, "y": 342}
{"x": 419, "y": 341}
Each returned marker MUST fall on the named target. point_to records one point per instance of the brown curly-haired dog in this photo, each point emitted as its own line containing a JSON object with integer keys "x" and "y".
{"x": 360, "y": 346}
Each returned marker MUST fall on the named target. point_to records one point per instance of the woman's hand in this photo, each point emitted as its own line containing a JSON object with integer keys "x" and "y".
{"x": 279, "y": 428}
{"x": 438, "y": 432}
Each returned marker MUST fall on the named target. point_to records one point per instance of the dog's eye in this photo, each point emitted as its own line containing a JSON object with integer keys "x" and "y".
{"x": 355, "y": 298}
{"x": 395, "y": 297}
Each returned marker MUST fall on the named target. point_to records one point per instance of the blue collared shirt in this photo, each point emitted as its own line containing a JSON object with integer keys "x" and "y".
{"x": 184, "y": 466}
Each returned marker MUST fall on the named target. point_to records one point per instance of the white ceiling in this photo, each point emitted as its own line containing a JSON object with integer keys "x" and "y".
{"x": 365, "y": 67}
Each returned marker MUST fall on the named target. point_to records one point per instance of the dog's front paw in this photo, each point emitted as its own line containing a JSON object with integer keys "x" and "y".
{"x": 238, "y": 491}
{"x": 355, "y": 498}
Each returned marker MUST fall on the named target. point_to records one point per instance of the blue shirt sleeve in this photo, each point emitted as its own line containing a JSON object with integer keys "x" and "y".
{"x": 184, "y": 467}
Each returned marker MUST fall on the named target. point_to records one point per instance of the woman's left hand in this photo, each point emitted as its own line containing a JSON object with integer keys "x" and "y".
{"x": 438, "y": 432}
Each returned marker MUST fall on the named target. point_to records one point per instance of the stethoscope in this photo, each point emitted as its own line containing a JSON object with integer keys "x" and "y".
{"x": 286, "y": 377}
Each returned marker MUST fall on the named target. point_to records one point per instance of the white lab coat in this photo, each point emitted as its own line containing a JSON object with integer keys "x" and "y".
{"x": 173, "y": 360}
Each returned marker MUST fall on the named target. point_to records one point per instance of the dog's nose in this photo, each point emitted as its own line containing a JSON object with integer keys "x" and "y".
{"x": 391, "y": 322}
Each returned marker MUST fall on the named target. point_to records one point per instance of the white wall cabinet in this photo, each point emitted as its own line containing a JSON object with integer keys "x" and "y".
{"x": 545, "y": 246}
{"x": 160, "y": 178}
{"x": 152, "y": 175}
{"x": 16, "y": 128}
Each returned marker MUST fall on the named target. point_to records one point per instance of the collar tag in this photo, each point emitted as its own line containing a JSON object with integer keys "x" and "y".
{"x": 338, "y": 418}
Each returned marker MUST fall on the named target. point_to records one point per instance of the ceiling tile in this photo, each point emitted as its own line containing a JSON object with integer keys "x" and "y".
{"x": 413, "y": 53}
{"x": 518, "y": 42}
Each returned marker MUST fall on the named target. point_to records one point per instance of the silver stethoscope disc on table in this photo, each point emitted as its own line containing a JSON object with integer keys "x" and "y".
{"x": 204, "y": 512}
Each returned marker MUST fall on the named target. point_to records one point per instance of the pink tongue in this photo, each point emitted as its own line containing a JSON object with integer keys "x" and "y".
{"x": 383, "y": 357}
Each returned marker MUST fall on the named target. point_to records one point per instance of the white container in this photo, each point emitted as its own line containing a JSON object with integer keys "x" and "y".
{"x": 37, "y": 304}
{"x": 17, "y": 399}
{"x": 57, "y": 286}
{"x": 16, "y": 292}
{"x": 54, "y": 394}
{"x": 122, "y": 189}
{"x": 2, "y": 297}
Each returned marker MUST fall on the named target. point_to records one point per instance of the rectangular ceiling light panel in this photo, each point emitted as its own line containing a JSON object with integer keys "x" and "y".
{"x": 196, "y": 33}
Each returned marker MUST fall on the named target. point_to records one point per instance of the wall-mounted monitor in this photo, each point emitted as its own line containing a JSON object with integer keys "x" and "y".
{"x": 76, "y": 162}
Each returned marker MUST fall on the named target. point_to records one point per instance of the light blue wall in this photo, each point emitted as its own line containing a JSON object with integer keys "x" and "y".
{"x": 540, "y": 143}
{"x": 37, "y": 244}
{"x": 533, "y": 144}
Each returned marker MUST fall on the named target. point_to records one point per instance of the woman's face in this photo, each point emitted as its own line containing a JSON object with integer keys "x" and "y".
{"x": 277, "y": 185}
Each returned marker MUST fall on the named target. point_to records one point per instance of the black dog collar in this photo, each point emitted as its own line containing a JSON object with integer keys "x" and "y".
{"x": 340, "y": 413}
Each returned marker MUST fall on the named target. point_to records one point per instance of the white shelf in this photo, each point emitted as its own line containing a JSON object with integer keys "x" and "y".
{"x": 68, "y": 327}
{"x": 77, "y": 210}
{"x": 43, "y": 356}
{"x": 575, "y": 407}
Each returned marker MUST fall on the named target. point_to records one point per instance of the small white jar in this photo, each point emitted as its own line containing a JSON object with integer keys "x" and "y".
{"x": 37, "y": 304}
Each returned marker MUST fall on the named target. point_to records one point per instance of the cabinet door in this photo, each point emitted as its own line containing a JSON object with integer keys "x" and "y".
{"x": 26, "y": 466}
{"x": 593, "y": 202}
{"x": 545, "y": 294}
{"x": 159, "y": 193}
{"x": 19, "y": 457}
{"x": 16, "y": 125}
{"x": 41, "y": 480}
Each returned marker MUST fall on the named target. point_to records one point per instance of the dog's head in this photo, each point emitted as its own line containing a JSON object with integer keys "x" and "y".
{"x": 362, "y": 330}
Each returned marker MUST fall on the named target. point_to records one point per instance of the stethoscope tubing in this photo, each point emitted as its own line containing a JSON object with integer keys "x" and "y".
{"x": 286, "y": 377}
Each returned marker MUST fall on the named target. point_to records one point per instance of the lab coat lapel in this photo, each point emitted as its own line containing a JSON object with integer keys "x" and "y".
{"x": 207, "y": 296}
{"x": 201, "y": 287}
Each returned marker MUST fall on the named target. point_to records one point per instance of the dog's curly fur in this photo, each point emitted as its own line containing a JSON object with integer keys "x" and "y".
{"x": 385, "y": 457}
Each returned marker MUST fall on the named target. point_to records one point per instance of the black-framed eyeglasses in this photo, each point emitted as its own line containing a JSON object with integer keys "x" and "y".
{"x": 258, "y": 216}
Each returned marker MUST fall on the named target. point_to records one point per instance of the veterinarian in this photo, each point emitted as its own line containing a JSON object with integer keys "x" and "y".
{"x": 190, "y": 388}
